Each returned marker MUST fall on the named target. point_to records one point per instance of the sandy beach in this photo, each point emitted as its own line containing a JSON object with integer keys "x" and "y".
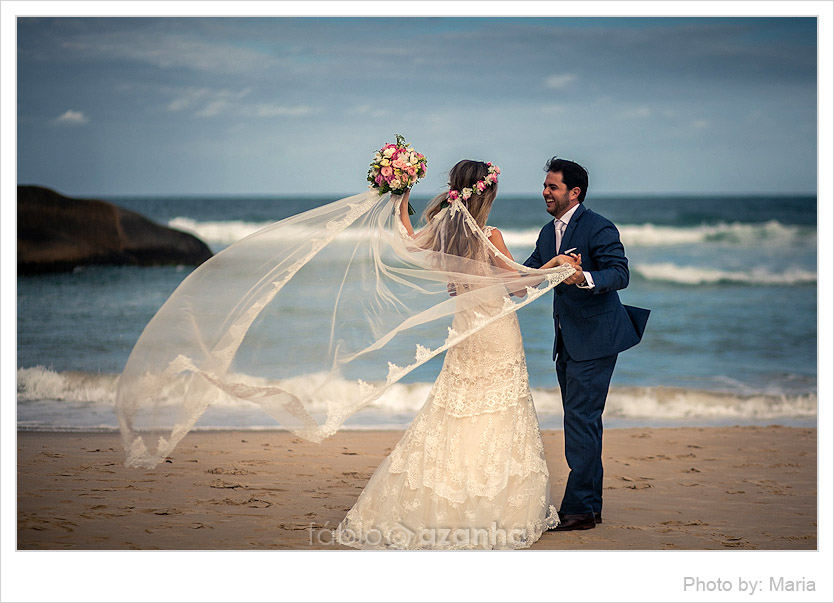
{"x": 665, "y": 488}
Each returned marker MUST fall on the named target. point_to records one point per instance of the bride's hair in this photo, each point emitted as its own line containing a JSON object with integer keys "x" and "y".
{"x": 465, "y": 174}
{"x": 453, "y": 236}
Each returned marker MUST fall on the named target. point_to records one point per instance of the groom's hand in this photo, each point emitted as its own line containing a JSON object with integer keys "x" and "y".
{"x": 577, "y": 278}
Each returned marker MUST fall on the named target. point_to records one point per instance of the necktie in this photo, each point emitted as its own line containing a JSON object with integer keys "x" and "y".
{"x": 560, "y": 231}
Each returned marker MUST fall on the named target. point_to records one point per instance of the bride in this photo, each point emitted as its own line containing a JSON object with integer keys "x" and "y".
{"x": 470, "y": 471}
{"x": 316, "y": 317}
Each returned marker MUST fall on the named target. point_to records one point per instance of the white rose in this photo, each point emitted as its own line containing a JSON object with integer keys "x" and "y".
{"x": 388, "y": 152}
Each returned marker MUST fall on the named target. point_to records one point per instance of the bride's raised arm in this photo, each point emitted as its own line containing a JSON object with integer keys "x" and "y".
{"x": 404, "y": 216}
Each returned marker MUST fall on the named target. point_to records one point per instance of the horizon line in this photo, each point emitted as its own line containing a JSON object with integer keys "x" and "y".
{"x": 340, "y": 195}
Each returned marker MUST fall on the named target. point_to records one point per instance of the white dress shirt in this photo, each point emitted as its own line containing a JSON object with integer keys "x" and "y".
{"x": 565, "y": 220}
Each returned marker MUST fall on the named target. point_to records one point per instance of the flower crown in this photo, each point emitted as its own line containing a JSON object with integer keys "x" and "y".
{"x": 479, "y": 187}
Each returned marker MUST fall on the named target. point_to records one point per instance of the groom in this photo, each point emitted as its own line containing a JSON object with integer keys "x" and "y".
{"x": 592, "y": 327}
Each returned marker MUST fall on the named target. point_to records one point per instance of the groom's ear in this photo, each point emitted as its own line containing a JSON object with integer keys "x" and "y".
{"x": 574, "y": 193}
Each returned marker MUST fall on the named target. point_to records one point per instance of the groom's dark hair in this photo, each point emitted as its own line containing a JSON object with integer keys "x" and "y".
{"x": 573, "y": 174}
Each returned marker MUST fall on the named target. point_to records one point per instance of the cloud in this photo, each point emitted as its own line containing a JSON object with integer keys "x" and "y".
{"x": 211, "y": 102}
{"x": 214, "y": 108}
{"x": 553, "y": 108}
{"x": 206, "y": 102}
{"x": 366, "y": 109}
{"x": 557, "y": 82}
{"x": 72, "y": 118}
{"x": 637, "y": 113}
{"x": 700, "y": 124}
{"x": 273, "y": 110}
{"x": 170, "y": 51}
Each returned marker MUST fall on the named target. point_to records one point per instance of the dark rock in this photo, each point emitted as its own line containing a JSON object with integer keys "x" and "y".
{"x": 57, "y": 233}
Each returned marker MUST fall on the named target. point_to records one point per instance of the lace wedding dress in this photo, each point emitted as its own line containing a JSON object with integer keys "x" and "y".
{"x": 470, "y": 471}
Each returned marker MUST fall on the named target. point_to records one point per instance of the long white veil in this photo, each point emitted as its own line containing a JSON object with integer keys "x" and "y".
{"x": 313, "y": 318}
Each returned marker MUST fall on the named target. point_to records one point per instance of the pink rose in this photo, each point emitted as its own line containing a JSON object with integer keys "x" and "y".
{"x": 387, "y": 171}
{"x": 398, "y": 163}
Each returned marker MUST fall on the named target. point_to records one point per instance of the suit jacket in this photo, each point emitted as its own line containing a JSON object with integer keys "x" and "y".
{"x": 594, "y": 322}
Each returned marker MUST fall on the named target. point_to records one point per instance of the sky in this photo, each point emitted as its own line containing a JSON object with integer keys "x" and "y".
{"x": 297, "y": 105}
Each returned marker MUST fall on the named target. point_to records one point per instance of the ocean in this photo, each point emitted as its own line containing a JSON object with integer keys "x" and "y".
{"x": 732, "y": 338}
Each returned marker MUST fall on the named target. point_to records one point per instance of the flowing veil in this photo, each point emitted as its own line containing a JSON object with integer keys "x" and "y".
{"x": 314, "y": 317}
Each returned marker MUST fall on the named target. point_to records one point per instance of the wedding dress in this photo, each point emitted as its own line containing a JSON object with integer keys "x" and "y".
{"x": 470, "y": 471}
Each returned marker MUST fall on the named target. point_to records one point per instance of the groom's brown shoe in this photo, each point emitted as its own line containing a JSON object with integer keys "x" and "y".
{"x": 583, "y": 521}
{"x": 598, "y": 517}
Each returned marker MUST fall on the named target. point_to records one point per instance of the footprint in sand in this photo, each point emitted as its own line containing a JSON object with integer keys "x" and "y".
{"x": 232, "y": 471}
{"x": 257, "y": 503}
{"x": 678, "y": 522}
{"x": 219, "y": 483}
{"x": 165, "y": 512}
{"x": 637, "y": 483}
{"x": 41, "y": 525}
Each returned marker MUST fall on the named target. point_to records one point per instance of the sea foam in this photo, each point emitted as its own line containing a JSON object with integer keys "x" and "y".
{"x": 41, "y": 388}
{"x": 632, "y": 235}
{"x": 696, "y": 275}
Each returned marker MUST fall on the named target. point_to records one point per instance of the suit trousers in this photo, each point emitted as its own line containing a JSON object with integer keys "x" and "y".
{"x": 584, "y": 386}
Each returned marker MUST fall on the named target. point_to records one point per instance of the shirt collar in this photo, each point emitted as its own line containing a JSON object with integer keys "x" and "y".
{"x": 568, "y": 215}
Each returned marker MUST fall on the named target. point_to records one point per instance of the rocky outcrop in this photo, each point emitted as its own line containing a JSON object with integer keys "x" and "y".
{"x": 57, "y": 233}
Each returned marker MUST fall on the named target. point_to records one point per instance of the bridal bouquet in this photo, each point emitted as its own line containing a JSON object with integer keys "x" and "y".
{"x": 396, "y": 168}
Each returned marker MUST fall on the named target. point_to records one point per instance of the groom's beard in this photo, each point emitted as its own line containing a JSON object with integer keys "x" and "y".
{"x": 556, "y": 207}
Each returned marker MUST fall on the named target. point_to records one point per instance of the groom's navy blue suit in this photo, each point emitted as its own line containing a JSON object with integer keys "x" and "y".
{"x": 592, "y": 327}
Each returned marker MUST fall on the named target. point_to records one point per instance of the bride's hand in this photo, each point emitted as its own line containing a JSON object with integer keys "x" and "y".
{"x": 574, "y": 259}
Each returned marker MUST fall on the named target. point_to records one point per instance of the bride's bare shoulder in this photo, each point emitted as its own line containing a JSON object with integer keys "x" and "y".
{"x": 493, "y": 234}
{"x": 497, "y": 239}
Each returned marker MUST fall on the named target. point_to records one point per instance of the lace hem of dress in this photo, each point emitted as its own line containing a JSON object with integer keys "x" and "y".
{"x": 353, "y": 533}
